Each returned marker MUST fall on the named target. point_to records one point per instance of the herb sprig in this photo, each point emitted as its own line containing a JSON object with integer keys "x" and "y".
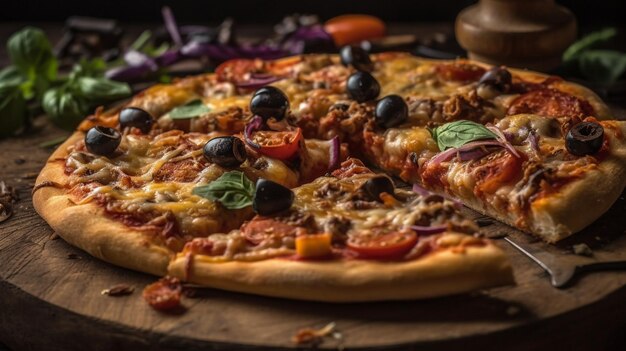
{"x": 33, "y": 79}
{"x": 458, "y": 133}
{"x": 233, "y": 190}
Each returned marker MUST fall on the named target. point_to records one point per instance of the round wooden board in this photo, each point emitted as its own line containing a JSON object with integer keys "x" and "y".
{"x": 51, "y": 298}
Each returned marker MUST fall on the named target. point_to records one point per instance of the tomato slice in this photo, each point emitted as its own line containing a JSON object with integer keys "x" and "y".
{"x": 350, "y": 29}
{"x": 282, "y": 145}
{"x": 235, "y": 70}
{"x": 460, "y": 71}
{"x": 387, "y": 246}
{"x": 497, "y": 172}
{"x": 260, "y": 228}
{"x": 164, "y": 294}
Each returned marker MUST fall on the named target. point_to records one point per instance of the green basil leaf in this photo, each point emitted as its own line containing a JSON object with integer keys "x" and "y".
{"x": 587, "y": 42}
{"x": 30, "y": 50}
{"x": 102, "y": 89}
{"x": 459, "y": 133}
{"x": 191, "y": 109}
{"x": 88, "y": 68}
{"x": 12, "y": 110}
{"x": 11, "y": 76}
{"x": 233, "y": 190}
{"x": 602, "y": 65}
{"x": 64, "y": 108}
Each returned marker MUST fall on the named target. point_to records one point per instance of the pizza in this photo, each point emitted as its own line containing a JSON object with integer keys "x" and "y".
{"x": 277, "y": 177}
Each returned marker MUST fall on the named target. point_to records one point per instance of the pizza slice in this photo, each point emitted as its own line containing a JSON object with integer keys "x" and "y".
{"x": 126, "y": 194}
{"x": 347, "y": 237}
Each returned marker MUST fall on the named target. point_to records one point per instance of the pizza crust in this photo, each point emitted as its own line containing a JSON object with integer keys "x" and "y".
{"x": 87, "y": 227}
{"x": 576, "y": 205}
{"x": 445, "y": 272}
{"x": 580, "y": 203}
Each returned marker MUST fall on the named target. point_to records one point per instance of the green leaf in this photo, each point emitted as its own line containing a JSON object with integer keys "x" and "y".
{"x": 191, "y": 109}
{"x": 12, "y": 110}
{"x": 31, "y": 52}
{"x": 11, "y": 76}
{"x": 101, "y": 89}
{"x": 88, "y": 68}
{"x": 141, "y": 41}
{"x": 233, "y": 190}
{"x": 459, "y": 133}
{"x": 588, "y": 42}
{"x": 64, "y": 108}
{"x": 602, "y": 65}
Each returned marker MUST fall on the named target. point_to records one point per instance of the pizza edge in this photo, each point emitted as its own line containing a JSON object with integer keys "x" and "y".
{"x": 448, "y": 271}
{"x": 87, "y": 227}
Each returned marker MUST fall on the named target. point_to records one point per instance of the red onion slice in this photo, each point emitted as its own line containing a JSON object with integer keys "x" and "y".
{"x": 502, "y": 138}
{"x": 255, "y": 124}
{"x": 429, "y": 230}
{"x": 335, "y": 154}
{"x": 258, "y": 80}
{"x": 418, "y": 189}
{"x": 171, "y": 26}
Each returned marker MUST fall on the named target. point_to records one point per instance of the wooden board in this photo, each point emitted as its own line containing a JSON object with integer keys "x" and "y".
{"x": 50, "y": 297}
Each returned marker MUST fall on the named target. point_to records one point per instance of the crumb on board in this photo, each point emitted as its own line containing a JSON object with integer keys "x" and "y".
{"x": 582, "y": 250}
{"x": 118, "y": 290}
{"x": 314, "y": 337}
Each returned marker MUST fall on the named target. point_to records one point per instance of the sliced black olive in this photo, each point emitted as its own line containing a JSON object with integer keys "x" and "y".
{"x": 227, "y": 151}
{"x": 391, "y": 111}
{"x": 499, "y": 78}
{"x": 356, "y": 57}
{"x": 269, "y": 102}
{"x": 102, "y": 140}
{"x": 271, "y": 197}
{"x": 362, "y": 86}
{"x": 585, "y": 138}
{"x": 373, "y": 187}
{"x": 136, "y": 117}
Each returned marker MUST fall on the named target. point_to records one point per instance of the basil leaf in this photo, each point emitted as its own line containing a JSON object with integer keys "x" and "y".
{"x": 88, "y": 68}
{"x": 31, "y": 52}
{"x": 11, "y": 76}
{"x": 102, "y": 89}
{"x": 12, "y": 109}
{"x": 64, "y": 108}
{"x": 587, "y": 42}
{"x": 191, "y": 109}
{"x": 459, "y": 133}
{"x": 233, "y": 190}
{"x": 602, "y": 65}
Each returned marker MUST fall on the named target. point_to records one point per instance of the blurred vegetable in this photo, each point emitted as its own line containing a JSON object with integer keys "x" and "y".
{"x": 12, "y": 109}
{"x": 590, "y": 41}
{"x": 31, "y": 52}
{"x": 349, "y": 29}
{"x": 586, "y": 58}
{"x": 64, "y": 107}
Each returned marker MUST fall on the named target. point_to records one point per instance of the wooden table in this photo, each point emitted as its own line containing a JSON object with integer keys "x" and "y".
{"x": 50, "y": 297}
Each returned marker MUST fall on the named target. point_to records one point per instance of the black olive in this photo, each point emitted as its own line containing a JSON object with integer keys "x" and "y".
{"x": 102, "y": 140}
{"x": 499, "y": 78}
{"x": 585, "y": 138}
{"x": 136, "y": 117}
{"x": 269, "y": 102}
{"x": 362, "y": 86}
{"x": 356, "y": 57}
{"x": 271, "y": 197}
{"x": 391, "y": 111}
{"x": 226, "y": 151}
{"x": 373, "y": 187}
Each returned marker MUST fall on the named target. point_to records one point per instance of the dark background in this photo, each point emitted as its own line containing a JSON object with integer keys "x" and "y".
{"x": 591, "y": 13}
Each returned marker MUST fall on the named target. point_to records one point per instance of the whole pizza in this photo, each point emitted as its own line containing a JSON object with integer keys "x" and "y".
{"x": 280, "y": 178}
